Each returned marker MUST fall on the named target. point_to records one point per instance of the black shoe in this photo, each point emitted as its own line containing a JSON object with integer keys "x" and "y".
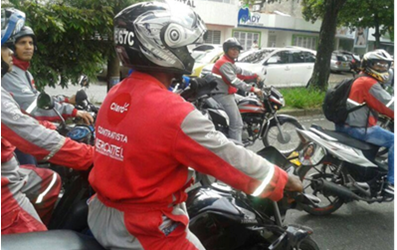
{"x": 388, "y": 190}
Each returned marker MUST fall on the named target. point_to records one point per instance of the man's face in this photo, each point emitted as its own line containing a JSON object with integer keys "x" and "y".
{"x": 24, "y": 48}
{"x": 233, "y": 52}
{"x": 6, "y": 55}
{"x": 381, "y": 66}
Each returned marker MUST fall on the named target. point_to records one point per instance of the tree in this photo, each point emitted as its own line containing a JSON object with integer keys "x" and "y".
{"x": 113, "y": 63}
{"x": 328, "y": 11}
{"x": 73, "y": 37}
{"x": 381, "y": 16}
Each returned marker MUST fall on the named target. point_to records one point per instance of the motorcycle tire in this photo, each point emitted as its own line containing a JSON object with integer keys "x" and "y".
{"x": 308, "y": 244}
{"x": 273, "y": 137}
{"x": 327, "y": 205}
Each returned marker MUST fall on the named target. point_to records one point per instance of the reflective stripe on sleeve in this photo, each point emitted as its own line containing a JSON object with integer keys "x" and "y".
{"x": 264, "y": 183}
{"x": 41, "y": 196}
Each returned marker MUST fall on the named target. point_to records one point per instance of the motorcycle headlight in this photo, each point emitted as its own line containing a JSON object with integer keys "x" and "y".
{"x": 311, "y": 154}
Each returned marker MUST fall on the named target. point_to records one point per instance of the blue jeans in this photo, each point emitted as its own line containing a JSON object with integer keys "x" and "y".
{"x": 377, "y": 136}
{"x": 25, "y": 159}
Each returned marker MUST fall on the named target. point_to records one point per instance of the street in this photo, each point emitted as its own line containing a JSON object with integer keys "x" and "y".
{"x": 355, "y": 226}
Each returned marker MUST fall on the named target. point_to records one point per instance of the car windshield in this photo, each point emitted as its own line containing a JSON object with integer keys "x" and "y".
{"x": 254, "y": 56}
{"x": 208, "y": 56}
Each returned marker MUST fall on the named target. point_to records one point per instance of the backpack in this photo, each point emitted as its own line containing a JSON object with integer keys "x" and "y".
{"x": 334, "y": 105}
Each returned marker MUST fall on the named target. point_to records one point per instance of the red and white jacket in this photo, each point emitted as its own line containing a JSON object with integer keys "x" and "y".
{"x": 232, "y": 76}
{"x": 366, "y": 89}
{"x": 31, "y": 137}
{"x": 20, "y": 83}
{"x": 147, "y": 136}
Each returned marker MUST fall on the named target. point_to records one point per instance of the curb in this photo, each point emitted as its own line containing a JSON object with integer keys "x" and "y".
{"x": 302, "y": 112}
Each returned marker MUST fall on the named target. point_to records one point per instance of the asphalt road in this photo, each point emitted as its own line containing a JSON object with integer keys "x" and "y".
{"x": 355, "y": 226}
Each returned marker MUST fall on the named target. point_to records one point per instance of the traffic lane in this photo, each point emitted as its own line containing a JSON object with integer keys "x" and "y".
{"x": 355, "y": 226}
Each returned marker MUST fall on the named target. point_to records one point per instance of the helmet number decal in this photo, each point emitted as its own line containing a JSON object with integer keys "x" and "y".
{"x": 124, "y": 37}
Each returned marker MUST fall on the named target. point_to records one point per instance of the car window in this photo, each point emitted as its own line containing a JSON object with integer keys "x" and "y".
{"x": 297, "y": 57}
{"x": 203, "y": 48}
{"x": 341, "y": 58}
{"x": 333, "y": 57}
{"x": 279, "y": 58}
{"x": 254, "y": 57}
{"x": 309, "y": 57}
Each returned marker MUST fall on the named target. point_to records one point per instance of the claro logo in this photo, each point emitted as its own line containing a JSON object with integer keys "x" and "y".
{"x": 119, "y": 109}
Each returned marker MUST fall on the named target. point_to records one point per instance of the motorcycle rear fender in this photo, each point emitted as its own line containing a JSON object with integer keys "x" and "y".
{"x": 337, "y": 149}
{"x": 271, "y": 122}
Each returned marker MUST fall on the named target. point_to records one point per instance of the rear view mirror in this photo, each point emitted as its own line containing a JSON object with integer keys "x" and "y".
{"x": 45, "y": 101}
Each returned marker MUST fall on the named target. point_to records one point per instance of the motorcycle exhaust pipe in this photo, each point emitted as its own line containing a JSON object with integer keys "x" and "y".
{"x": 330, "y": 188}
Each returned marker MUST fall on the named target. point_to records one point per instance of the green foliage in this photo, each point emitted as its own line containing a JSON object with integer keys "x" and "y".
{"x": 73, "y": 37}
{"x": 369, "y": 13}
{"x": 303, "y": 98}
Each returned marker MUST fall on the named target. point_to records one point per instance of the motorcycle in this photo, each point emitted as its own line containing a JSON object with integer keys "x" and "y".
{"x": 71, "y": 210}
{"x": 259, "y": 115}
{"x": 339, "y": 169}
{"x": 223, "y": 218}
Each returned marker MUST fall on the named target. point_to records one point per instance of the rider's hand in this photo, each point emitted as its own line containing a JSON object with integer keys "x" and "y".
{"x": 294, "y": 184}
{"x": 258, "y": 92}
{"x": 87, "y": 118}
{"x": 258, "y": 79}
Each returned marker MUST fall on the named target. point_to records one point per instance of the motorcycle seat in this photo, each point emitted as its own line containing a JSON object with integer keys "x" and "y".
{"x": 49, "y": 240}
{"x": 346, "y": 139}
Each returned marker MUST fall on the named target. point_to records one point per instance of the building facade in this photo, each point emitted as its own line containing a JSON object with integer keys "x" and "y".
{"x": 276, "y": 25}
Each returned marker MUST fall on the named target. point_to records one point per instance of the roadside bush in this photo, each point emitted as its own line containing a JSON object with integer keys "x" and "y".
{"x": 303, "y": 98}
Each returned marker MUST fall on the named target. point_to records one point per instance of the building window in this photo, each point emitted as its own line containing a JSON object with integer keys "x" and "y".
{"x": 309, "y": 42}
{"x": 271, "y": 41}
{"x": 246, "y": 38}
{"x": 213, "y": 36}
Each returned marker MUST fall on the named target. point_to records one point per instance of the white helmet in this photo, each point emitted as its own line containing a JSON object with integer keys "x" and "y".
{"x": 370, "y": 64}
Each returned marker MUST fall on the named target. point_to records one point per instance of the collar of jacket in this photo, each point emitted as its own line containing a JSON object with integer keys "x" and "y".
{"x": 21, "y": 64}
{"x": 229, "y": 59}
{"x": 148, "y": 78}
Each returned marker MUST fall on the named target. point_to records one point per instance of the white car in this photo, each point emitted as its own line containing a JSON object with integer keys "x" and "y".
{"x": 281, "y": 67}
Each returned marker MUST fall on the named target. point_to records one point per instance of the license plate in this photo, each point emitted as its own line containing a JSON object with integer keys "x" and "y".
{"x": 345, "y": 64}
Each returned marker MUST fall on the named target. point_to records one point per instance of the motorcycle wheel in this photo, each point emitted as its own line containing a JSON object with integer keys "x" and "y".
{"x": 308, "y": 244}
{"x": 292, "y": 143}
{"x": 328, "y": 203}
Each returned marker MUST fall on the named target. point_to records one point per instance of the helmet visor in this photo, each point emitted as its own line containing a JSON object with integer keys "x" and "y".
{"x": 381, "y": 66}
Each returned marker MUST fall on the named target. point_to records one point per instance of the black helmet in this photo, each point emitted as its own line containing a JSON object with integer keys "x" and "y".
{"x": 153, "y": 36}
{"x": 230, "y": 43}
{"x": 371, "y": 58}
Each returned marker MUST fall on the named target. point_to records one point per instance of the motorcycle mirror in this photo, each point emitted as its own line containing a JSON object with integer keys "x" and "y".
{"x": 45, "y": 101}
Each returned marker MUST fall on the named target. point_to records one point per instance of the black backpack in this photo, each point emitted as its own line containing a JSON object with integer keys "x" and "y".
{"x": 334, "y": 105}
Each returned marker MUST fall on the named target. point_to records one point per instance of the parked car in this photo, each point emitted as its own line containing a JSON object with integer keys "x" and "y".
{"x": 339, "y": 63}
{"x": 281, "y": 67}
{"x": 208, "y": 57}
{"x": 202, "y": 48}
{"x": 354, "y": 60}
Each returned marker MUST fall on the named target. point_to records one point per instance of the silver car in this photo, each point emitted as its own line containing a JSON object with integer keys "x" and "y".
{"x": 339, "y": 63}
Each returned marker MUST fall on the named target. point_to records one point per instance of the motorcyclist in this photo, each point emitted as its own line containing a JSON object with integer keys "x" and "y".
{"x": 361, "y": 124}
{"x": 28, "y": 194}
{"x": 147, "y": 136}
{"x": 232, "y": 79}
{"x": 20, "y": 83}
